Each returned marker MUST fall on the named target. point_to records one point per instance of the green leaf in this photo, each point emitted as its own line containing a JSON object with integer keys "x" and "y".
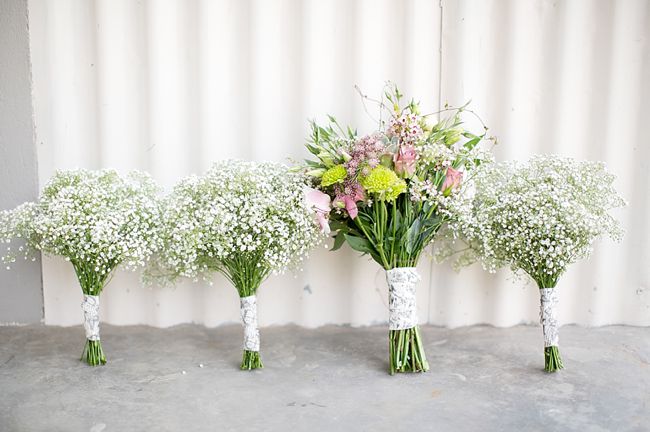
{"x": 359, "y": 244}
{"x": 429, "y": 228}
{"x": 323, "y": 133}
{"x": 432, "y": 221}
{"x": 313, "y": 164}
{"x": 469, "y": 145}
{"x": 351, "y": 133}
{"x": 413, "y": 236}
{"x": 312, "y": 149}
{"x": 336, "y": 225}
{"x": 339, "y": 239}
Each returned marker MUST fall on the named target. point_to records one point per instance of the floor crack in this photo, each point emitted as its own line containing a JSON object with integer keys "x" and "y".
{"x": 8, "y": 360}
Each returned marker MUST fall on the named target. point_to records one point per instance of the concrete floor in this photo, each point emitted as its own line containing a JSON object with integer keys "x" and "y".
{"x": 332, "y": 378}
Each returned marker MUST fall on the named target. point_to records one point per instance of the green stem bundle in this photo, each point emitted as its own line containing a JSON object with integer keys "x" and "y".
{"x": 251, "y": 360}
{"x": 93, "y": 354}
{"x": 395, "y": 233}
{"x": 552, "y": 359}
{"x": 406, "y": 351}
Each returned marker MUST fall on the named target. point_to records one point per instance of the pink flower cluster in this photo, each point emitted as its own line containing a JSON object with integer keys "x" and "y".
{"x": 348, "y": 196}
{"x": 365, "y": 155}
{"x": 406, "y": 128}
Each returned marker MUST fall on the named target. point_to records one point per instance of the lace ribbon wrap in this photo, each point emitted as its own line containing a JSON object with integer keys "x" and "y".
{"x": 90, "y": 307}
{"x": 548, "y": 316}
{"x": 248, "y": 310}
{"x": 402, "y": 309}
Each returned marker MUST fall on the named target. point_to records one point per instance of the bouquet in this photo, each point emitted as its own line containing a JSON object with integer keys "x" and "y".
{"x": 245, "y": 220}
{"x": 390, "y": 191}
{"x": 96, "y": 220}
{"x": 538, "y": 218}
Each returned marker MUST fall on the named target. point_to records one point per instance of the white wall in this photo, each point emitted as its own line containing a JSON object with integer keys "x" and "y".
{"x": 21, "y": 288}
{"x": 170, "y": 86}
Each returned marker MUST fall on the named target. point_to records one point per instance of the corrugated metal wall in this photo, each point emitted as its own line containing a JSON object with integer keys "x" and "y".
{"x": 169, "y": 86}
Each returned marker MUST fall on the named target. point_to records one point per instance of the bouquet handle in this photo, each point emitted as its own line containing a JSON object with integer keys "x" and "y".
{"x": 93, "y": 353}
{"x": 248, "y": 310}
{"x": 549, "y": 301}
{"x": 406, "y": 351}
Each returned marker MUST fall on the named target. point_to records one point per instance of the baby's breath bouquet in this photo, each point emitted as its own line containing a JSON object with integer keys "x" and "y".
{"x": 96, "y": 220}
{"x": 390, "y": 191}
{"x": 538, "y": 218}
{"x": 245, "y": 220}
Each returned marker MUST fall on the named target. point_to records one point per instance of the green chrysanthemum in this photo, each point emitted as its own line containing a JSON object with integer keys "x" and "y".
{"x": 336, "y": 174}
{"x": 396, "y": 189}
{"x": 383, "y": 181}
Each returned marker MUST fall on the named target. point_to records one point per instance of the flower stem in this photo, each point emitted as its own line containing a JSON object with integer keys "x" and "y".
{"x": 93, "y": 353}
{"x": 406, "y": 352}
{"x": 251, "y": 360}
{"x": 552, "y": 359}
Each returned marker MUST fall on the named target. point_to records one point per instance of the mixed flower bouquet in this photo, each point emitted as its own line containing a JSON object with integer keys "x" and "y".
{"x": 538, "y": 218}
{"x": 387, "y": 193}
{"x": 96, "y": 220}
{"x": 245, "y": 220}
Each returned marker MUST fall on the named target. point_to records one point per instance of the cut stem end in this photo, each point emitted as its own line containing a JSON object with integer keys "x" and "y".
{"x": 251, "y": 360}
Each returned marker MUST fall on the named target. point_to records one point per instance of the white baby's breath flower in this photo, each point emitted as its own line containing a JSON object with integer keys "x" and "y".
{"x": 97, "y": 220}
{"x": 237, "y": 209}
{"x": 537, "y": 217}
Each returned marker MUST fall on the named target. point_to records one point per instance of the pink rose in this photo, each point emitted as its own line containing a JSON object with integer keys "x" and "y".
{"x": 320, "y": 203}
{"x": 404, "y": 160}
{"x": 452, "y": 181}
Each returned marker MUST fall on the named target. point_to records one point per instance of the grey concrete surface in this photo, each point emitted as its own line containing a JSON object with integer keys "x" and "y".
{"x": 21, "y": 289}
{"x": 331, "y": 378}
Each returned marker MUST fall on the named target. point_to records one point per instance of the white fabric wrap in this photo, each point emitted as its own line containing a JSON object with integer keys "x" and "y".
{"x": 248, "y": 309}
{"x": 90, "y": 306}
{"x": 402, "y": 309}
{"x": 548, "y": 316}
